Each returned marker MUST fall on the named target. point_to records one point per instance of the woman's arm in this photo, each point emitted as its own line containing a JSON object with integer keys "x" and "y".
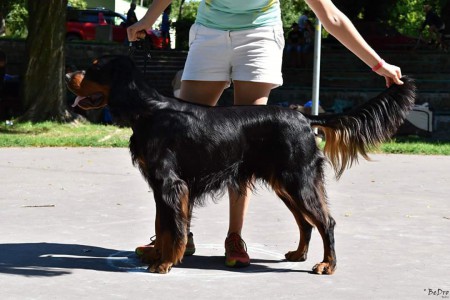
{"x": 154, "y": 11}
{"x": 337, "y": 24}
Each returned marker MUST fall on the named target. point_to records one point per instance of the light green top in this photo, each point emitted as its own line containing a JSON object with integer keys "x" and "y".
{"x": 238, "y": 14}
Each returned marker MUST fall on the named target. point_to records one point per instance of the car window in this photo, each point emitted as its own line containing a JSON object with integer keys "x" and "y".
{"x": 72, "y": 15}
{"x": 88, "y": 17}
{"x": 92, "y": 16}
{"x": 114, "y": 19}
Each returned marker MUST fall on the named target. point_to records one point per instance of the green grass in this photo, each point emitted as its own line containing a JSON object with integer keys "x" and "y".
{"x": 415, "y": 145}
{"x": 50, "y": 134}
{"x": 79, "y": 134}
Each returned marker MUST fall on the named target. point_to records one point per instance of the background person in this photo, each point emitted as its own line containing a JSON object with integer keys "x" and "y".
{"x": 165, "y": 27}
{"x": 435, "y": 24}
{"x": 131, "y": 15}
{"x": 294, "y": 43}
{"x": 2, "y": 25}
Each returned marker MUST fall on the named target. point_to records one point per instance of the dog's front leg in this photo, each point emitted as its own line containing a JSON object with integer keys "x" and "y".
{"x": 152, "y": 254}
{"x": 168, "y": 253}
{"x": 172, "y": 205}
{"x": 305, "y": 236}
{"x": 304, "y": 226}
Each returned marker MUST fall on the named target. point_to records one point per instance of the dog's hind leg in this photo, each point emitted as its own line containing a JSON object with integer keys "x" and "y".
{"x": 306, "y": 199}
{"x": 172, "y": 205}
{"x": 315, "y": 210}
{"x": 328, "y": 265}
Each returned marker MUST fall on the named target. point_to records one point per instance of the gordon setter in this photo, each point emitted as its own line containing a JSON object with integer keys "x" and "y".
{"x": 187, "y": 151}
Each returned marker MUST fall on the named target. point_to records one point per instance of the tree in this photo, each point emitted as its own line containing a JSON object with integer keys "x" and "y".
{"x": 44, "y": 90}
{"x": 291, "y": 11}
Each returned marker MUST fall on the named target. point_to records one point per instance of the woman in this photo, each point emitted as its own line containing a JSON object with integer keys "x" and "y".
{"x": 242, "y": 42}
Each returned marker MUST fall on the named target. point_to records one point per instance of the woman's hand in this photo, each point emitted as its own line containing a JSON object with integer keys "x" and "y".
{"x": 391, "y": 74}
{"x": 136, "y": 32}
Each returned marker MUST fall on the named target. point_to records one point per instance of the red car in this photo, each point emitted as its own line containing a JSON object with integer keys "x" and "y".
{"x": 82, "y": 24}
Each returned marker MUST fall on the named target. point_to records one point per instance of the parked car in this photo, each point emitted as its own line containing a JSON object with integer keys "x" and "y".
{"x": 82, "y": 24}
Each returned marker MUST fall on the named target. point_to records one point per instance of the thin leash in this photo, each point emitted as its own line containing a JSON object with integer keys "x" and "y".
{"x": 142, "y": 47}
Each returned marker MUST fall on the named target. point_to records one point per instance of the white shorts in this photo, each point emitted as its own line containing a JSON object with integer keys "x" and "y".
{"x": 245, "y": 55}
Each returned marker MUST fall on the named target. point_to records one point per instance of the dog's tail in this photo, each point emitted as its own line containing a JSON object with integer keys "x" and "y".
{"x": 366, "y": 126}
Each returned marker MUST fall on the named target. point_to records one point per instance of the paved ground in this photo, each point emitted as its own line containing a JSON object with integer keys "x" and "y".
{"x": 70, "y": 219}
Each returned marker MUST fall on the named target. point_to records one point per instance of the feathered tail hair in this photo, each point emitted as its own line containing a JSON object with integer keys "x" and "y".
{"x": 356, "y": 132}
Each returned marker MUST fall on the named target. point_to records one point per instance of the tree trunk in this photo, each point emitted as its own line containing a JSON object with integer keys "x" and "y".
{"x": 180, "y": 10}
{"x": 44, "y": 89}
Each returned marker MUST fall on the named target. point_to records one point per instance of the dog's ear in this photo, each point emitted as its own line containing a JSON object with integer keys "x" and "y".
{"x": 122, "y": 69}
{"x": 110, "y": 69}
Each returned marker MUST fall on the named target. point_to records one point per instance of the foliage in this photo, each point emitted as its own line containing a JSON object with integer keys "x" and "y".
{"x": 17, "y": 16}
{"x": 6, "y": 5}
{"x": 189, "y": 10}
{"x": 407, "y": 15}
{"x": 16, "y": 21}
{"x": 78, "y": 3}
{"x": 184, "y": 21}
{"x": 292, "y": 10}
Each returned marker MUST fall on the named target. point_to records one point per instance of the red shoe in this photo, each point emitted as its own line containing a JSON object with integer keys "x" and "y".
{"x": 236, "y": 252}
{"x": 142, "y": 250}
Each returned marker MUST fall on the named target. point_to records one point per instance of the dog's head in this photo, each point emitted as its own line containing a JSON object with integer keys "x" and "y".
{"x": 93, "y": 86}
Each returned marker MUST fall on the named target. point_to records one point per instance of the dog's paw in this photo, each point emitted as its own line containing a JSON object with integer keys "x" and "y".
{"x": 150, "y": 256}
{"x": 296, "y": 256}
{"x": 324, "y": 268}
{"x": 161, "y": 268}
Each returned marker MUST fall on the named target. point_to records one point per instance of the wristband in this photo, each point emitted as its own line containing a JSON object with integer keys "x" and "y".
{"x": 378, "y": 66}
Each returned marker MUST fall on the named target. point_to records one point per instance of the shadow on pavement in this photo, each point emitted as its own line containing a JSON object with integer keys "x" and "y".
{"x": 54, "y": 259}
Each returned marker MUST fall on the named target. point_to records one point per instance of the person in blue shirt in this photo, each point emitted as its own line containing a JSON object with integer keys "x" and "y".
{"x": 165, "y": 27}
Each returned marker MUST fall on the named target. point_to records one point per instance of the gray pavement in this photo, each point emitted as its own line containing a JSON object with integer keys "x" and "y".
{"x": 71, "y": 217}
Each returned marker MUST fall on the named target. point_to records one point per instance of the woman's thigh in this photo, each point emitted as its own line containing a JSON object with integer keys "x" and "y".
{"x": 251, "y": 93}
{"x": 202, "y": 92}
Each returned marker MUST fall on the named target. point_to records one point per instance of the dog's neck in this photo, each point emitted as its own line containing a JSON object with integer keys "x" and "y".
{"x": 140, "y": 100}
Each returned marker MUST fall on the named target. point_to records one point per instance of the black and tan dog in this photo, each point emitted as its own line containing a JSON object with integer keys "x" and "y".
{"x": 186, "y": 151}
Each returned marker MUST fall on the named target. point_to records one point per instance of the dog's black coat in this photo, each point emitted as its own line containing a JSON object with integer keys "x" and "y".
{"x": 186, "y": 151}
